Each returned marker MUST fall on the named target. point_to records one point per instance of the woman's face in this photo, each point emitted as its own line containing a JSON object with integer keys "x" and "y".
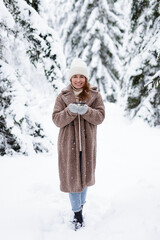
{"x": 78, "y": 81}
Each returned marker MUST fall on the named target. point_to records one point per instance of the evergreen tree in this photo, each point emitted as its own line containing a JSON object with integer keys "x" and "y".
{"x": 93, "y": 30}
{"x": 29, "y": 66}
{"x": 7, "y": 139}
{"x": 40, "y": 40}
{"x": 18, "y": 130}
{"x": 143, "y": 62}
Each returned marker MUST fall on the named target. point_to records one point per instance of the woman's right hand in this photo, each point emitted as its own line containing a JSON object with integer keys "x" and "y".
{"x": 73, "y": 107}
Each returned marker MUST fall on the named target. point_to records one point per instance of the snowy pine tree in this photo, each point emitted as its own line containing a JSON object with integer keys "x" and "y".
{"x": 93, "y": 30}
{"x": 143, "y": 61}
{"x": 7, "y": 139}
{"x": 30, "y": 70}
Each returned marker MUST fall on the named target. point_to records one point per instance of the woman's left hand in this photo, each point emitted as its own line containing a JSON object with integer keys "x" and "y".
{"x": 82, "y": 109}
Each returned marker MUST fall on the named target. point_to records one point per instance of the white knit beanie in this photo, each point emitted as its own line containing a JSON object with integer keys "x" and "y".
{"x": 78, "y": 66}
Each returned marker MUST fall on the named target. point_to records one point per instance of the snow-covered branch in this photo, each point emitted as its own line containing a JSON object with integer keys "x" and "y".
{"x": 154, "y": 80}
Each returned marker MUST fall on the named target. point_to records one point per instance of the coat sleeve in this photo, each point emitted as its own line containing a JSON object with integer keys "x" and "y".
{"x": 61, "y": 115}
{"x": 95, "y": 115}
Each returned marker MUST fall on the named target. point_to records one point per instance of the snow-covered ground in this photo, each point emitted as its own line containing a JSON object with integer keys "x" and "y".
{"x": 123, "y": 205}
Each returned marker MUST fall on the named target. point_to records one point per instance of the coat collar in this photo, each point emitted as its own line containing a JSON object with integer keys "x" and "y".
{"x": 69, "y": 97}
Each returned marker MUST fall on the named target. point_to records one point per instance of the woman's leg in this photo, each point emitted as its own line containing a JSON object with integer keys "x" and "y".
{"x": 75, "y": 199}
{"x": 78, "y": 200}
{"x": 83, "y": 196}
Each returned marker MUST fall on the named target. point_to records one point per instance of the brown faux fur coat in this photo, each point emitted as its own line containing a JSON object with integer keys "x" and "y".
{"x": 71, "y": 178}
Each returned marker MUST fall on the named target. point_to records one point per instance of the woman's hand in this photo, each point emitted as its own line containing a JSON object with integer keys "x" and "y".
{"x": 82, "y": 109}
{"x": 73, "y": 107}
{"x": 78, "y": 108}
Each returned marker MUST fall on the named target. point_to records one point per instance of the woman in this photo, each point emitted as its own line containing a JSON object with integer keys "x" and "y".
{"x": 77, "y": 112}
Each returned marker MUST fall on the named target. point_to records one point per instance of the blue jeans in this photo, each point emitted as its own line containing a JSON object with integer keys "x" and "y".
{"x": 77, "y": 200}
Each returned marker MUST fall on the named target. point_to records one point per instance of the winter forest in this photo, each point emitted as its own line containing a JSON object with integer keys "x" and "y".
{"x": 120, "y": 42}
{"x": 38, "y": 40}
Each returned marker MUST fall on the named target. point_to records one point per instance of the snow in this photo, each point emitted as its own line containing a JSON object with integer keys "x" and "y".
{"x": 123, "y": 205}
{"x": 157, "y": 74}
{"x": 125, "y": 202}
{"x": 6, "y": 16}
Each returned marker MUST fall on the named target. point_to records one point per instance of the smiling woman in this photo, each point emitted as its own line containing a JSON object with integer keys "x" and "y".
{"x": 77, "y": 111}
{"x": 78, "y": 76}
{"x": 78, "y": 81}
